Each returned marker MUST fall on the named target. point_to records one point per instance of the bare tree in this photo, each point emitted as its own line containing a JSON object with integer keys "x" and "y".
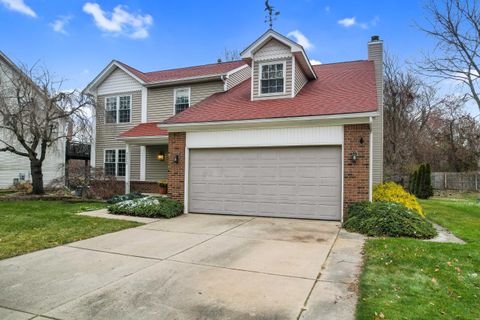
{"x": 455, "y": 25}
{"x": 422, "y": 126}
{"x": 230, "y": 55}
{"x": 34, "y": 114}
{"x": 408, "y": 104}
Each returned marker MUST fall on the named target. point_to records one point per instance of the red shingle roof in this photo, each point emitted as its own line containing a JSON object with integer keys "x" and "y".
{"x": 181, "y": 73}
{"x": 341, "y": 88}
{"x": 149, "y": 129}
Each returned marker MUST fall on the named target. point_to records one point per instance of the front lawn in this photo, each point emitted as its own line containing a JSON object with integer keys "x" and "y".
{"x": 413, "y": 279}
{"x": 31, "y": 225}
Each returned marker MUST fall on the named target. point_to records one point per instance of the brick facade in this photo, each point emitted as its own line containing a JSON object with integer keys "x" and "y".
{"x": 144, "y": 186}
{"x": 356, "y": 174}
{"x": 176, "y": 171}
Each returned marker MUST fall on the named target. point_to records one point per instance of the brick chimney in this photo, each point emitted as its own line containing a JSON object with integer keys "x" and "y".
{"x": 375, "y": 54}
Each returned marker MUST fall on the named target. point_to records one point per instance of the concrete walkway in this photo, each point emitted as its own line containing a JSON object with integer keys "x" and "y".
{"x": 191, "y": 267}
{"x": 103, "y": 213}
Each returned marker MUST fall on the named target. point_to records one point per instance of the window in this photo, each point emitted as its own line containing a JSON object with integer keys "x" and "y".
{"x": 110, "y": 162}
{"x": 115, "y": 162}
{"x": 117, "y": 109}
{"x": 272, "y": 78}
{"x": 111, "y": 110}
{"x": 181, "y": 99}
{"x": 121, "y": 163}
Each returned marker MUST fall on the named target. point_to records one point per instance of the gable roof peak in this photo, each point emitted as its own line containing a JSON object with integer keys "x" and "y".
{"x": 296, "y": 49}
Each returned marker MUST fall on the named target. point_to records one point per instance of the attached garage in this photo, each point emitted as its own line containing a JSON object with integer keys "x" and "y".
{"x": 293, "y": 182}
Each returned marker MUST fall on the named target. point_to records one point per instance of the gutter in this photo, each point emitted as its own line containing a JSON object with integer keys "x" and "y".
{"x": 185, "y": 80}
{"x": 344, "y": 116}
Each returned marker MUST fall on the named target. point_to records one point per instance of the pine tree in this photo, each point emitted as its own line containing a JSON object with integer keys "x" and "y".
{"x": 421, "y": 184}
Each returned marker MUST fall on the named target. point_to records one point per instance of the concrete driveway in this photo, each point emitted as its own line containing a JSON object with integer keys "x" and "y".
{"x": 191, "y": 267}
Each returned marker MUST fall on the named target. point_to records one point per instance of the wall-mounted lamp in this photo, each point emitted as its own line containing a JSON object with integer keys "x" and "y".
{"x": 161, "y": 156}
{"x": 354, "y": 156}
{"x": 175, "y": 159}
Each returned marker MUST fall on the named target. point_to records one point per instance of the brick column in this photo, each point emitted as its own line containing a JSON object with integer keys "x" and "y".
{"x": 355, "y": 174}
{"x": 176, "y": 171}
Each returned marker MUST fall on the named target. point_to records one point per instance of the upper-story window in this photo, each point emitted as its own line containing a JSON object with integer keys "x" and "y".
{"x": 118, "y": 109}
{"x": 272, "y": 78}
{"x": 181, "y": 99}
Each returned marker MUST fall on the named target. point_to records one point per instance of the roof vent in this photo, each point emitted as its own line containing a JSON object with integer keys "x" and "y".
{"x": 375, "y": 38}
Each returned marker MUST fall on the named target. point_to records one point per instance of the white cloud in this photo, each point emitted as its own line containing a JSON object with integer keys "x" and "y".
{"x": 301, "y": 39}
{"x": 347, "y": 22}
{"x": 352, "y": 22}
{"x": 59, "y": 24}
{"x": 315, "y": 62}
{"x": 120, "y": 21}
{"x": 19, "y": 6}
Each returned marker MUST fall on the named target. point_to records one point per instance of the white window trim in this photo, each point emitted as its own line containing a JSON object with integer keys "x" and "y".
{"x": 284, "y": 63}
{"x": 117, "y": 110}
{"x": 175, "y": 97}
{"x": 116, "y": 160}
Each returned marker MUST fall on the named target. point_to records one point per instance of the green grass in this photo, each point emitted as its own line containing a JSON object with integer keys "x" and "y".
{"x": 31, "y": 225}
{"x": 413, "y": 279}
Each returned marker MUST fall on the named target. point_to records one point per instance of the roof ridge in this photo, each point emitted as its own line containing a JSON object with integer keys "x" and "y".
{"x": 200, "y": 65}
{"x": 340, "y": 62}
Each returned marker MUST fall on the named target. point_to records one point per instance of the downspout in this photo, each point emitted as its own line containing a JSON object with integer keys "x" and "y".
{"x": 370, "y": 164}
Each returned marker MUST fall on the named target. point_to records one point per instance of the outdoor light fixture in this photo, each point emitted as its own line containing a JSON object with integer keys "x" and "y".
{"x": 175, "y": 159}
{"x": 161, "y": 156}
{"x": 354, "y": 156}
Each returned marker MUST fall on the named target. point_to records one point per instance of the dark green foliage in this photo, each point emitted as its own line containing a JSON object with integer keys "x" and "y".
{"x": 387, "y": 219}
{"x": 151, "y": 207}
{"x": 124, "y": 197}
{"x": 420, "y": 183}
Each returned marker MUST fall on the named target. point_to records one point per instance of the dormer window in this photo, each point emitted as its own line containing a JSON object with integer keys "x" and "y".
{"x": 181, "y": 99}
{"x": 272, "y": 78}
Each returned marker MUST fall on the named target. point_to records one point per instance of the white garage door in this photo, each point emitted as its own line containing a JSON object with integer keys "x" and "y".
{"x": 298, "y": 182}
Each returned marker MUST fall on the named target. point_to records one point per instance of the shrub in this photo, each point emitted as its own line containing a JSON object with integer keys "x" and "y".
{"x": 124, "y": 197}
{"x": 387, "y": 219}
{"x": 390, "y": 191}
{"x": 421, "y": 182}
{"x": 151, "y": 207}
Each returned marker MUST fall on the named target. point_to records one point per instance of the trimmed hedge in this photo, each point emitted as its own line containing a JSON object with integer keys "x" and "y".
{"x": 387, "y": 219}
{"x": 125, "y": 197}
{"x": 151, "y": 207}
{"x": 392, "y": 192}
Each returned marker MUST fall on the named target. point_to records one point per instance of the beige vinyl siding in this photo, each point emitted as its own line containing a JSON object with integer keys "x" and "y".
{"x": 155, "y": 169}
{"x": 118, "y": 81}
{"x": 288, "y": 80}
{"x": 238, "y": 77}
{"x": 273, "y": 49}
{"x": 376, "y": 55}
{"x": 160, "y": 100}
{"x": 300, "y": 78}
{"x": 107, "y": 133}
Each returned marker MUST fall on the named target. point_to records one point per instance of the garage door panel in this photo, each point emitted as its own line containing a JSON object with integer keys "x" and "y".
{"x": 301, "y": 182}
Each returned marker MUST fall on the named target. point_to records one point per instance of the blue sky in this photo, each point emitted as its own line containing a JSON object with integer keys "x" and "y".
{"x": 76, "y": 39}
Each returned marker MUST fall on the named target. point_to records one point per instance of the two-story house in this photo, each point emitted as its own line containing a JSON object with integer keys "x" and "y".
{"x": 14, "y": 167}
{"x": 269, "y": 135}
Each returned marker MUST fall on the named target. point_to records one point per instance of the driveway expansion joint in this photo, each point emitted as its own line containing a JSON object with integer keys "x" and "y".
{"x": 202, "y": 242}
{"x": 242, "y": 270}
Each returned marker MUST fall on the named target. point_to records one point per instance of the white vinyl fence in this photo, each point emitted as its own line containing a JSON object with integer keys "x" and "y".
{"x": 464, "y": 181}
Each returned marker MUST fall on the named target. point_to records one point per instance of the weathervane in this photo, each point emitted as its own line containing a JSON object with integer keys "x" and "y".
{"x": 272, "y": 14}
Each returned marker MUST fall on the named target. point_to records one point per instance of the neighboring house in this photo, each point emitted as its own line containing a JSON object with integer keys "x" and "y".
{"x": 270, "y": 135}
{"x": 12, "y": 166}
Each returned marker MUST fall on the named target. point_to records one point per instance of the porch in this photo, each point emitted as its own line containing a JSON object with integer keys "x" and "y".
{"x": 146, "y": 147}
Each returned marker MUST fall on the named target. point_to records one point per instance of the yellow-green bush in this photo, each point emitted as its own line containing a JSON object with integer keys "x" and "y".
{"x": 390, "y": 191}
